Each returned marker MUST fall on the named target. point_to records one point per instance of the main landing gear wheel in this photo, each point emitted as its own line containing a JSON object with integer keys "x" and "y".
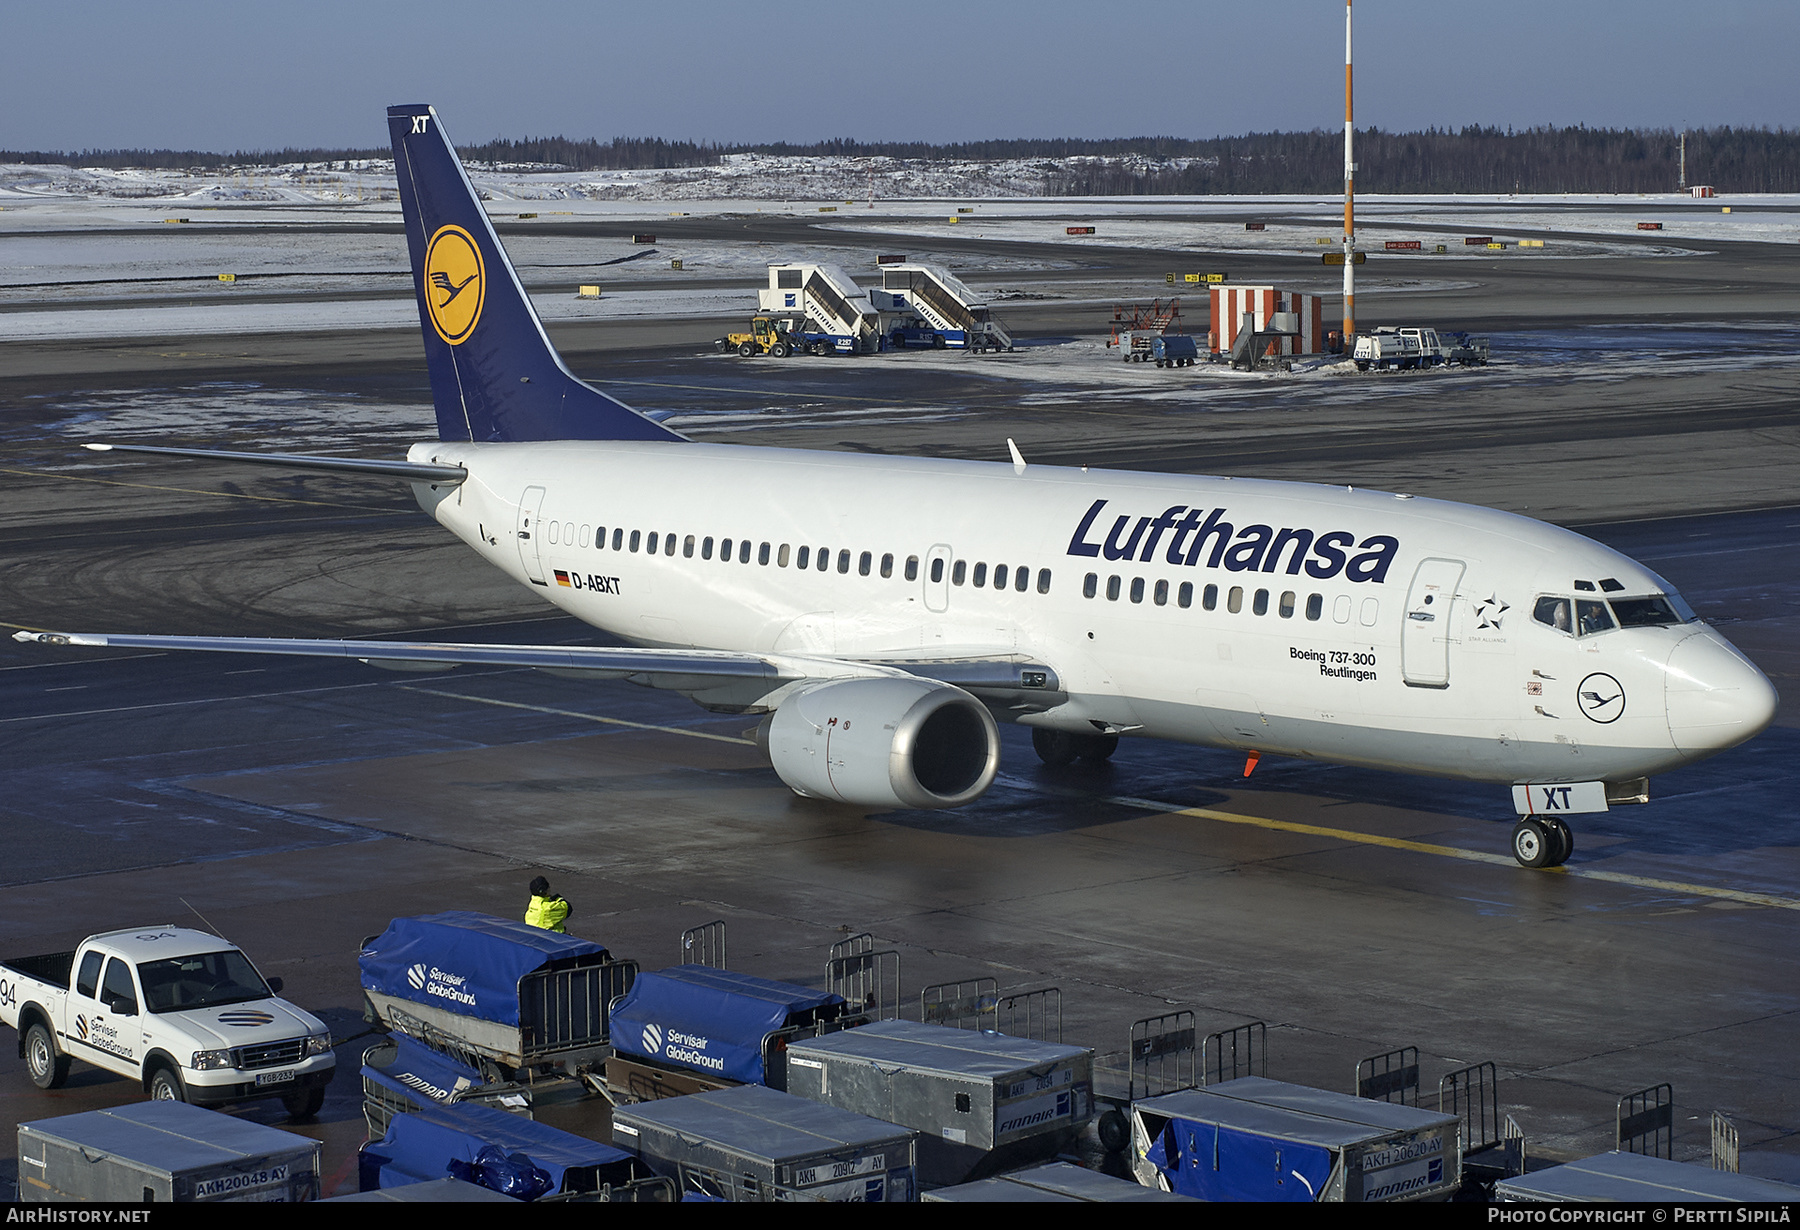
{"x": 1055, "y": 748}
{"x": 1060, "y": 748}
{"x": 1536, "y": 843}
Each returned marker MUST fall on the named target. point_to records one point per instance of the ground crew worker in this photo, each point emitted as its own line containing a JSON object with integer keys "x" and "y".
{"x": 546, "y": 909}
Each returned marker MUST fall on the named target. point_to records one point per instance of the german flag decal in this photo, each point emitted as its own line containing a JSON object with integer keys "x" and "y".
{"x": 562, "y": 579}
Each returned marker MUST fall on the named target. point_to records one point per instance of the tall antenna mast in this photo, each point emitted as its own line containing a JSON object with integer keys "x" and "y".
{"x": 1349, "y": 190}
{"x": 1683, "y": 184}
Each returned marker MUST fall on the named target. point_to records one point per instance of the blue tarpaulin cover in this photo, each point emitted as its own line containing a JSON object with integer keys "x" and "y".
{"x": 422, "y": 1074}
{"x": 710, "y": 1020}
{"x": 464, "y": 962}
{"x": 421, "y": 1145}
{"x": 1212, "y": 1162}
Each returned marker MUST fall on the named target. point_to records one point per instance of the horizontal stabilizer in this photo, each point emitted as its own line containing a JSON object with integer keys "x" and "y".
{"x": 411, "y": 471}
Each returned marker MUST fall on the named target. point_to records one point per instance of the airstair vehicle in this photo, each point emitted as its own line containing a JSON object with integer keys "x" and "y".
{"x": 830, "y": 299}
{"x": 935, "y": 309}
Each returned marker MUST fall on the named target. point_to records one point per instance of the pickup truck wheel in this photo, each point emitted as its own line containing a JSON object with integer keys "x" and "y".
{"x": 304, "y": 1104}
{"x": 165, "y": 1086}
{"x": 48, "y": 1069}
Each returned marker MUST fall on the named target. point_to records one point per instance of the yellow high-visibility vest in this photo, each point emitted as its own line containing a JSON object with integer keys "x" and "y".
{"x": 550, "y": 913}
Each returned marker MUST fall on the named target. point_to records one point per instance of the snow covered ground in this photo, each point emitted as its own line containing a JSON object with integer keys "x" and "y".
{"x": 91, "y": 253}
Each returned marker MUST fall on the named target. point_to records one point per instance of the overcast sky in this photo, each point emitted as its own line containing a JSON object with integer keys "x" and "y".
{"x": 203, "y": 74}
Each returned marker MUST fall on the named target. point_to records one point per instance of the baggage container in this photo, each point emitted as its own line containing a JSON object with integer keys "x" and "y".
{"x": 1634, "y": 1178}
{"x": 1055, "y": 1183}
{"x": 400, "y": 1075}
{"x": 691, "y": 1028}
{"x": 981, "y": 1101}
{"x": 1223, "y": 1142}
{"x": 156, "y": 1151}
{"x": 1174, "y": 350}
{"x": 450, "y": 1142}
{"x": 518, "y": 996}
{"x": 754, "y": 1144}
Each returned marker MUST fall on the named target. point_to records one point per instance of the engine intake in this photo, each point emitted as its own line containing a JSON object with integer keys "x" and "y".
{"x": 883, "y": 743}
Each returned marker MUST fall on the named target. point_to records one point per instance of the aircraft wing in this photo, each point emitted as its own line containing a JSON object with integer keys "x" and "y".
{"x": 738, "y": 682}
{"x": 411, "y": 471}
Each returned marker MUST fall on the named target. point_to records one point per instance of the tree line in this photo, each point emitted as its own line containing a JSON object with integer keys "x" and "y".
{"x": 1470, "y": 159}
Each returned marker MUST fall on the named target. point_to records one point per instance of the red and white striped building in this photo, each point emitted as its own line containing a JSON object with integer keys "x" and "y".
{"x": 1229, "y": 303}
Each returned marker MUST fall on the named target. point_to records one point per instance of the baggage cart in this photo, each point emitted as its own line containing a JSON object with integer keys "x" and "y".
{"x": 1054, "y": 1183}
{"x": 981, "y": 1101}
{"x": 1222, "y": 1142}
{"x": 450, "y": 1142}
{"x": 693, "y": 1028}
{"x": 1637, "y": 1178}
{"x": 157, "y": 1151}
{"x": 401, "y": 1075}
{"x": 753, "y": 1144}
{"x": 524, "y": 999}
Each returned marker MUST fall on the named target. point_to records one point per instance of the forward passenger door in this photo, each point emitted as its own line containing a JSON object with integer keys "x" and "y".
{"x": 1425, "y": 636}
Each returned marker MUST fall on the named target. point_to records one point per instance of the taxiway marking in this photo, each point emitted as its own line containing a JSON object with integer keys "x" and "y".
{"x": 1473, "y": 856}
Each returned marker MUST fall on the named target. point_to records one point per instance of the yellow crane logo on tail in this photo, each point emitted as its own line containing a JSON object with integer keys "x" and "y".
{"x": 455, "y": 283}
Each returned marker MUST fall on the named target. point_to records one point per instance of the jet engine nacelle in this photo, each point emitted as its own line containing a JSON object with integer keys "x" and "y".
{"x": 883, "y": 743}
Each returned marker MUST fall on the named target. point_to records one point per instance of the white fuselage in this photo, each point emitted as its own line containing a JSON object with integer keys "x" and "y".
{"x": 1350, "y": 626}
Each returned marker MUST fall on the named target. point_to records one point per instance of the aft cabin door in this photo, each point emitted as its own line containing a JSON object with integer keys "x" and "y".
{"x": 530, "y": 504}
{"x": 1425, "y": 640}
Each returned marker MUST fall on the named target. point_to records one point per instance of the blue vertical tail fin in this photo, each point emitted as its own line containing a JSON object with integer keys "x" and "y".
{"x": 494, "y": 374}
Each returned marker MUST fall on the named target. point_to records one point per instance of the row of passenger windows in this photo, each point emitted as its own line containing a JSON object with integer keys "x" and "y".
{"x": 1001, "y": 576}
{"x": 1285, "y": 606}
{"x": 978, "y": 575}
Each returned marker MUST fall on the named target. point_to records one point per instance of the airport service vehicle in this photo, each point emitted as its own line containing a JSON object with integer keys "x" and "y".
{"x": 1174, "y": 350}
{"x": 1386, "y": 348}
{"x": 936, "y": 310}
{"x": 825, "y": 295}
{"x": 1464, "y": 350}
{"x": 779, "y": 336}
{"x": 182, "y": 1011}
{"x": 880, "y": 614}
{"x": 1431, "y": 350}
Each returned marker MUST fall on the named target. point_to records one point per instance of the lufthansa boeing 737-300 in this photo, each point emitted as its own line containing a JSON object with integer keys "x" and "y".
{"x": 881, "y": 613}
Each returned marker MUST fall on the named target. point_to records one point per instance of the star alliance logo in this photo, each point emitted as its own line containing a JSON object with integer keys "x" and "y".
{"x": 1489, "y": 613}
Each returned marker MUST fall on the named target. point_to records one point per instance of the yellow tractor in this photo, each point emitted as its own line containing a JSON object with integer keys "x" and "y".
{"x": 767, "y": 335}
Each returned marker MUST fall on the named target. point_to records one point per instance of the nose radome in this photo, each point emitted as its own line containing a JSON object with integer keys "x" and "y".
{"x": 1716, "y": 697}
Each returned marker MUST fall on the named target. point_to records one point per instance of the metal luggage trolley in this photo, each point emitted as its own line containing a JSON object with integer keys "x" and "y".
{"x": 518, "y": 1001}
{"x": 1164, "y": 1055}
{"x": 694, "y": 1028}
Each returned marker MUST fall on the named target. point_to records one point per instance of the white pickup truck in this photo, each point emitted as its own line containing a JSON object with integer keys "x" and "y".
{"x": 182, "y": 1011}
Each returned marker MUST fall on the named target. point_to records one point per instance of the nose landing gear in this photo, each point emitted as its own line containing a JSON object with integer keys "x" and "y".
{"x": 1540, "y": 841}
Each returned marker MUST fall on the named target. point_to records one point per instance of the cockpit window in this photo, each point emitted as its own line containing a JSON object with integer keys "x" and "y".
{"x": 1593, "y": 616}
{"x": 1646, "y": 612}
{"x": 1588, "y": 616}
